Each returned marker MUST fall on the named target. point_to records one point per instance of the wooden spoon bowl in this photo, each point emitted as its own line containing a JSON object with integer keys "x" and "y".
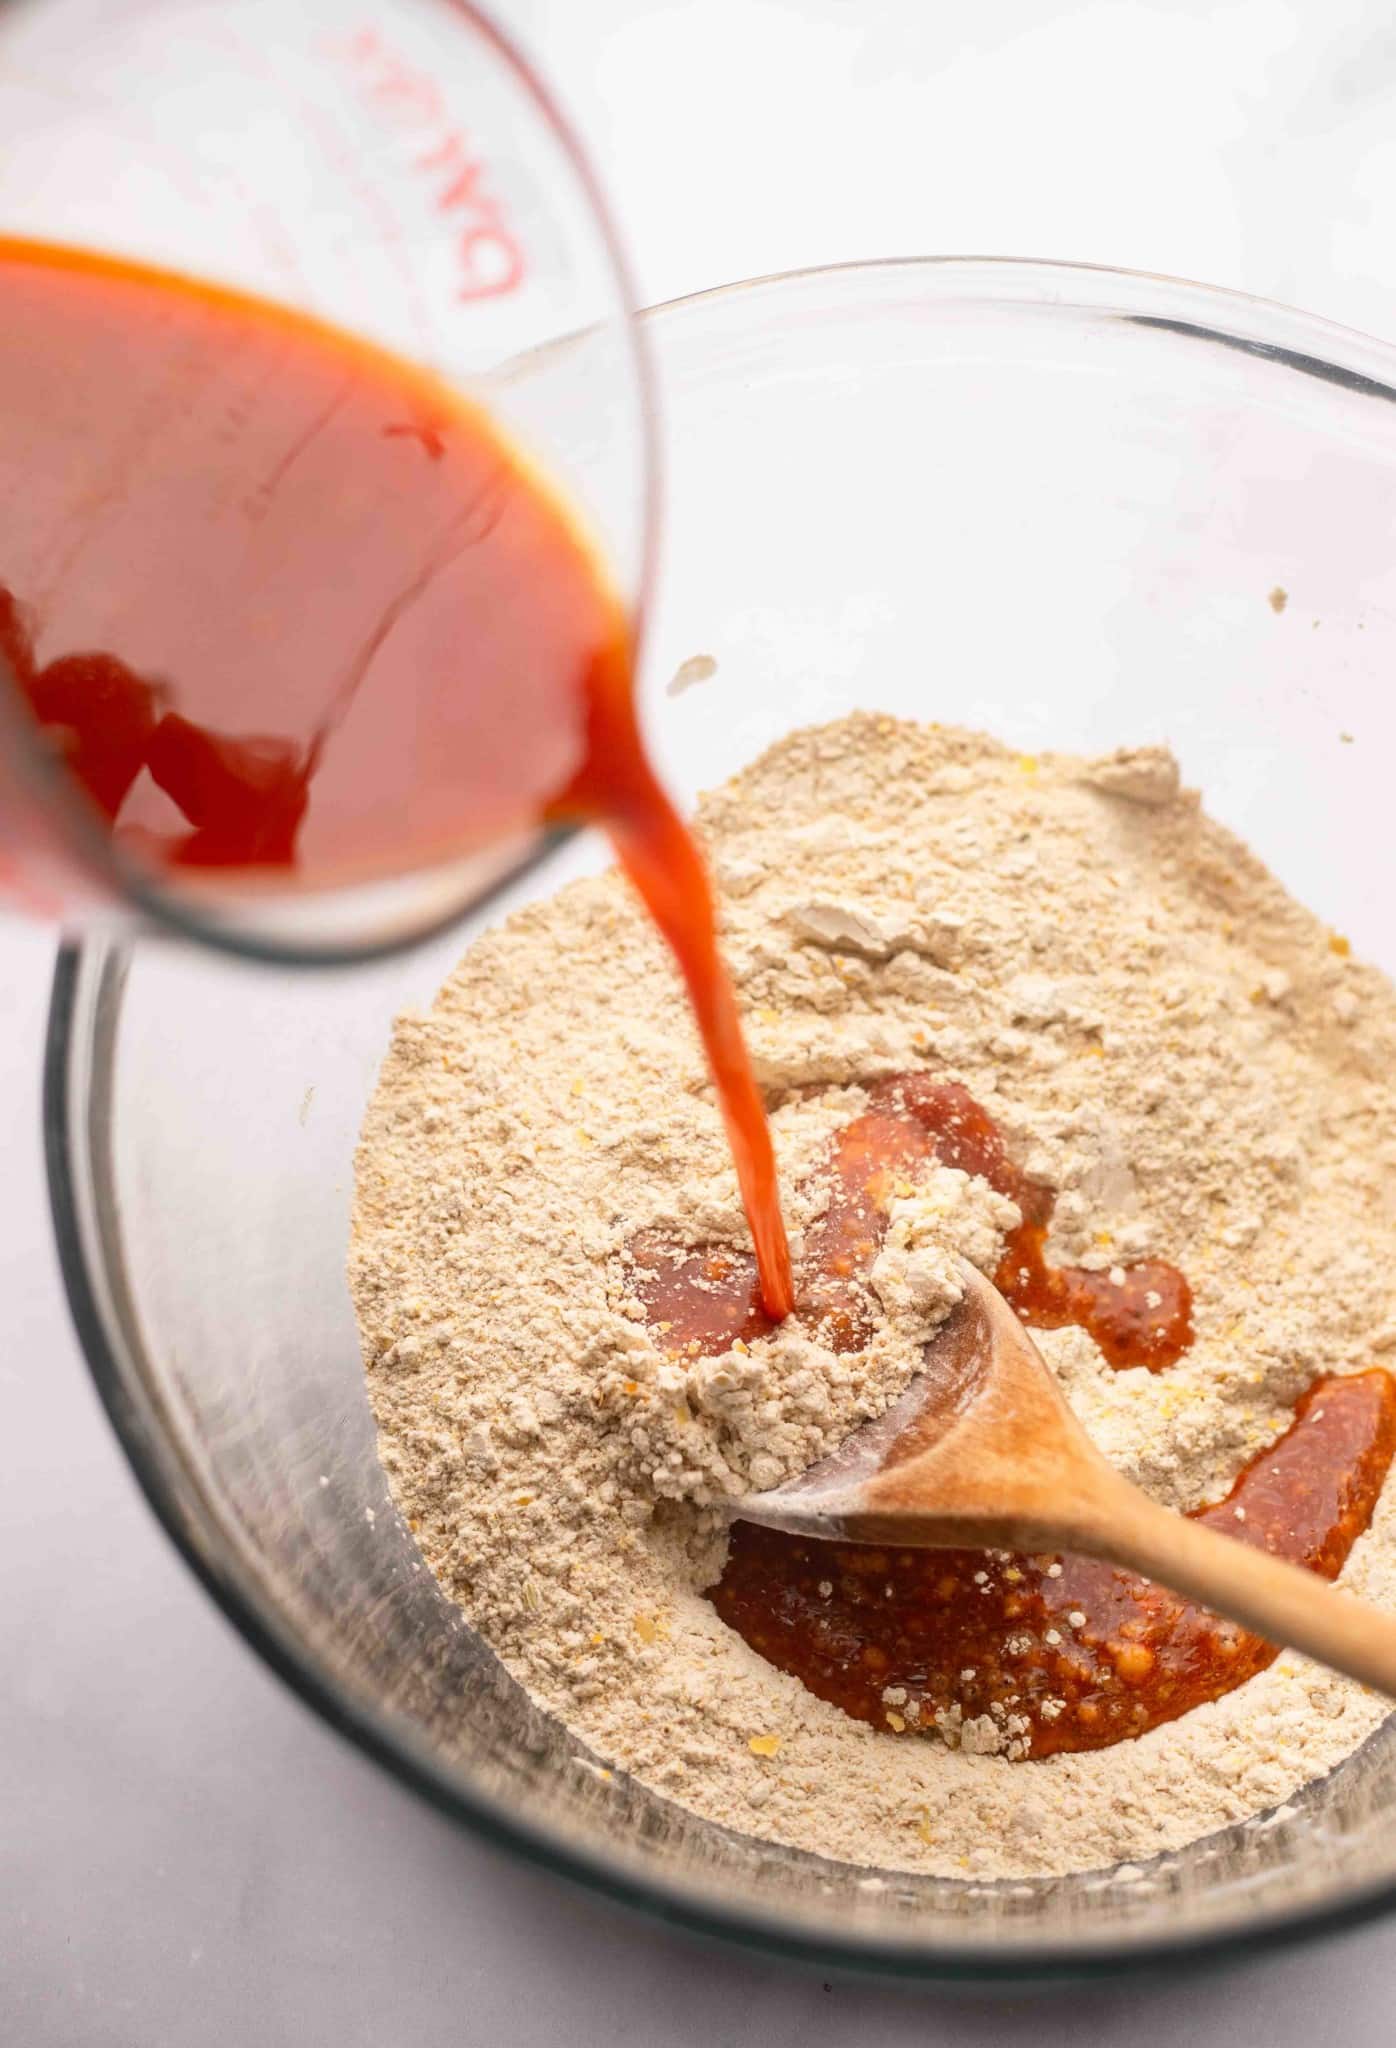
{"x": 981, "y": 1451}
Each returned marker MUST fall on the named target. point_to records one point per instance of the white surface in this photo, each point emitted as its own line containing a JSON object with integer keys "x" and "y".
{"x": 185, "y": 1854}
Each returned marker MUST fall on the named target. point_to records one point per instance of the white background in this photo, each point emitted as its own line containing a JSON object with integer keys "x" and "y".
{"x": 185, "y": 1855}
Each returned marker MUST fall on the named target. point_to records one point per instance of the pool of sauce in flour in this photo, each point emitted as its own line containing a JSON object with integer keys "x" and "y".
{"x": 283, "y": 605}
{"x": 1039, "y": 1654}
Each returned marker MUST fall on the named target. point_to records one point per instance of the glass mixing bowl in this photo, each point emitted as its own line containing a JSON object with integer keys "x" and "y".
{"x": 1061, "y": 504}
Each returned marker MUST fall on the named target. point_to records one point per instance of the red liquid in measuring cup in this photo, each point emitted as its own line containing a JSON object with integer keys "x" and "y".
{"x": 281, "y": 604}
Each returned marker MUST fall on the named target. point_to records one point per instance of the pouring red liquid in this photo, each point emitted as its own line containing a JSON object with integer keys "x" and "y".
{"x": 282, "y": 608}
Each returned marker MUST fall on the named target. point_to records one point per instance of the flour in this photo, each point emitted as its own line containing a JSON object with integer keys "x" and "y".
{"x": 1192, "y": 1062}
{"x": 744, "y": 1418}
{"x": 917, "y": 1274}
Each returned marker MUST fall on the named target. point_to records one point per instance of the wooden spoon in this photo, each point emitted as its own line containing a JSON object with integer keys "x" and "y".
{"x": 982, "y": 1452}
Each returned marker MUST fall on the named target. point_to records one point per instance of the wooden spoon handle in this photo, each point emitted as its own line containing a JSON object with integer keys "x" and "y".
{"x": 1281, "y": 1601}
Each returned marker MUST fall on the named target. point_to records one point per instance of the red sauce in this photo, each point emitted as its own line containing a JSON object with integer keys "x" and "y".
{"x": 280, "y": 603}
{"x": 701, "y": 1300}
{"x": 1061, "y": 1653}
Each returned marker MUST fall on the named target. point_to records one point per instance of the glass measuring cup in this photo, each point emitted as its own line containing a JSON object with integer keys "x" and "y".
{"x": 401, "y": 175}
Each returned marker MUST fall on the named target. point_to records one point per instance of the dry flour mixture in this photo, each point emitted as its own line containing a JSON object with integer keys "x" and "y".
{"x": 1189, "y": 1060}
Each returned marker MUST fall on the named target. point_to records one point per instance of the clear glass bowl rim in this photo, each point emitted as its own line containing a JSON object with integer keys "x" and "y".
{"x": 1303, "y": 343}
